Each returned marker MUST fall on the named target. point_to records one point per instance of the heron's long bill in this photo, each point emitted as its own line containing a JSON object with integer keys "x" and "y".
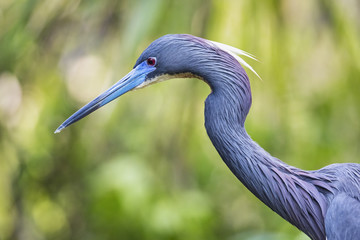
{"x": 130, "y": 81}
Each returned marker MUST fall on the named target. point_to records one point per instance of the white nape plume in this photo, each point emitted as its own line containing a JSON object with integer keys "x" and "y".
{"x": 236, "y": 53}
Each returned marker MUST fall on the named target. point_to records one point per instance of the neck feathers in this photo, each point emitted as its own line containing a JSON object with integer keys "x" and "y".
{"x": 294, "y": 194}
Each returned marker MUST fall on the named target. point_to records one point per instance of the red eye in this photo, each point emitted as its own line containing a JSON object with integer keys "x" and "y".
{"x": 151, "y": 61}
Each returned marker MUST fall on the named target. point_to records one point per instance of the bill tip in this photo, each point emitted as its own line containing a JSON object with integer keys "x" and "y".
{"x": 58, "y": 130}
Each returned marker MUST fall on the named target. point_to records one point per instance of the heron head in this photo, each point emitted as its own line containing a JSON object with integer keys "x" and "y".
{"x": 157, "y": 63}
{"x": 170, "y": 56}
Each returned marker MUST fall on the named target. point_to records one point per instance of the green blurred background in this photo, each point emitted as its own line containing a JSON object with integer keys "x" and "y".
{"x": 143, "y": 167}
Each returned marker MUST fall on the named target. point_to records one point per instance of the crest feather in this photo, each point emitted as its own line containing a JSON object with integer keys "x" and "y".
{"x": 236, "y": 53}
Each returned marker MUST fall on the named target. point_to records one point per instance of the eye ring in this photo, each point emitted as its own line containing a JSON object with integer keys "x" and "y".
{"x": 151, "y": 61}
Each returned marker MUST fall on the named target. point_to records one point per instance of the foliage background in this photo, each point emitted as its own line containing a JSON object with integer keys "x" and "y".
{"x": 143, "y": 167}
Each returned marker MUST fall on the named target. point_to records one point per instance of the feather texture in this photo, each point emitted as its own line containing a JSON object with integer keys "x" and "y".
{"x": 236, "y": 53}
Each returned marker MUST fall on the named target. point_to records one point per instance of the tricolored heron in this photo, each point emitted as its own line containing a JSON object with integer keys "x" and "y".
{"x": 324, "y": 204}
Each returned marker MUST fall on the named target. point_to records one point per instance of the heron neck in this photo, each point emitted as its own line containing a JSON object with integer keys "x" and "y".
{"x": 281, "y": 187}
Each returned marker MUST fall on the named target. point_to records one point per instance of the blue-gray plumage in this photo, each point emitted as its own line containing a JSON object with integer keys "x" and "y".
{"x": 324, "y": 204}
